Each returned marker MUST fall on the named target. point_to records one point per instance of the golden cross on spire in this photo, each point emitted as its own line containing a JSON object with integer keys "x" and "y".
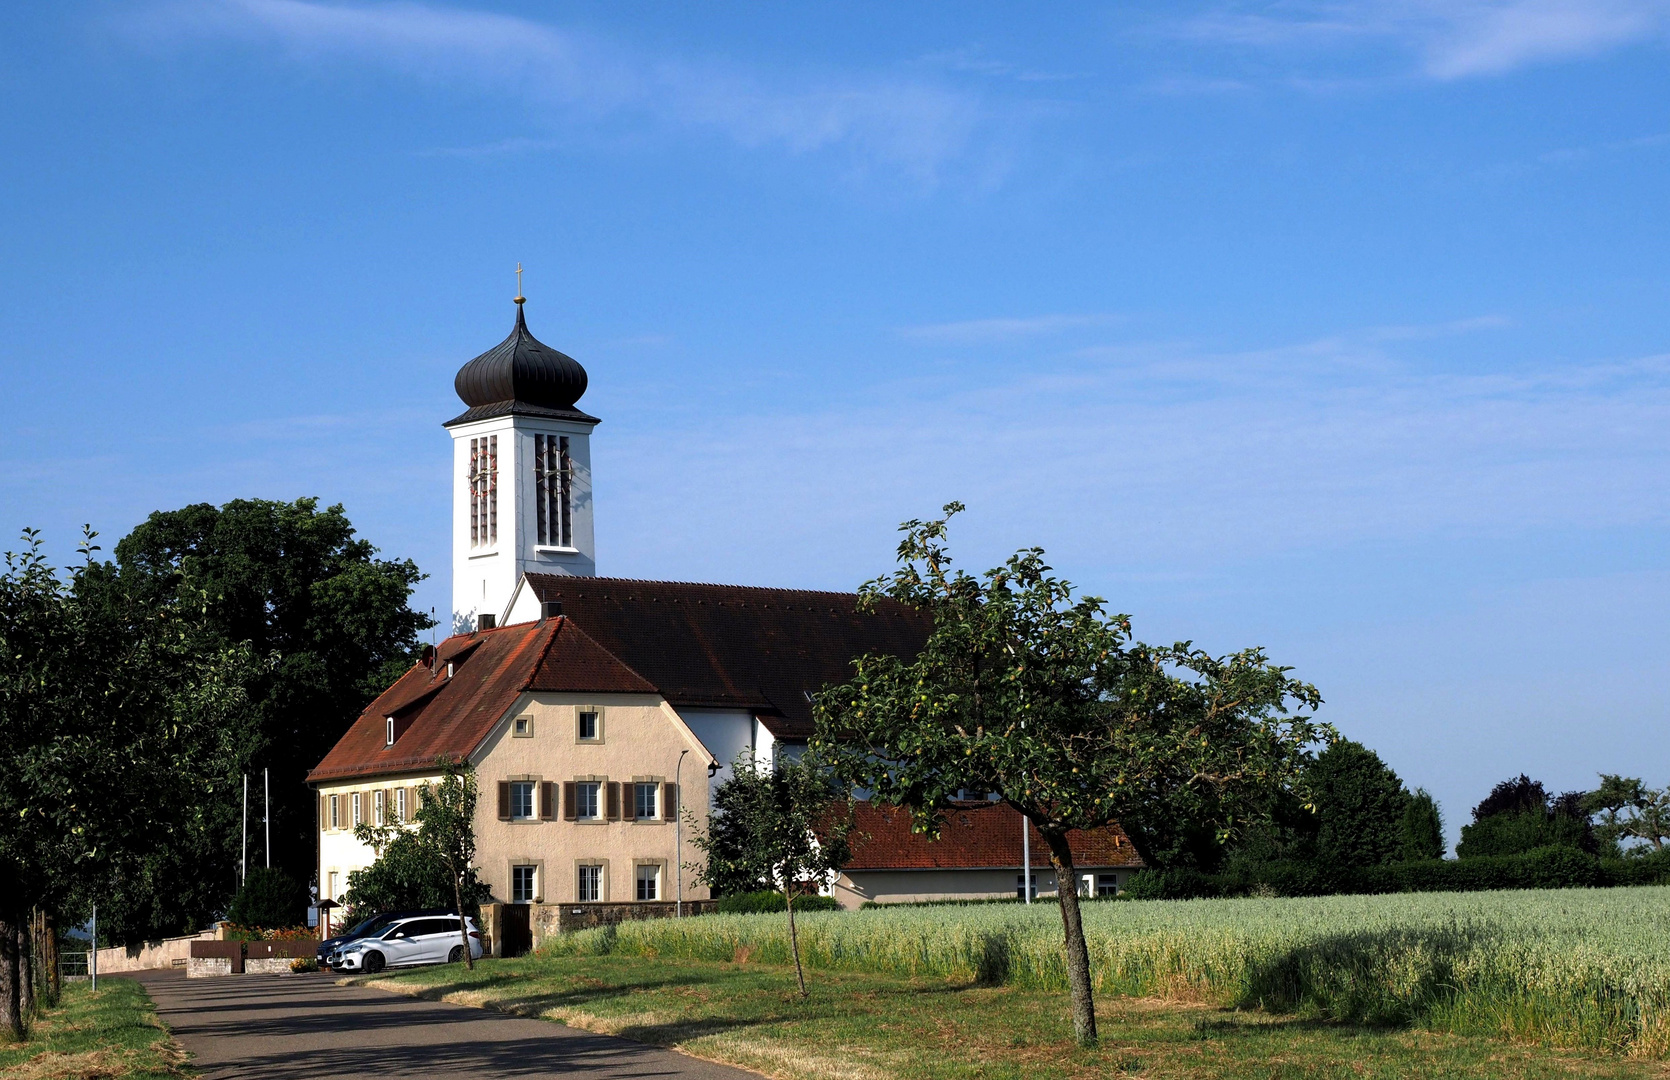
{"x": 519, "y": 297}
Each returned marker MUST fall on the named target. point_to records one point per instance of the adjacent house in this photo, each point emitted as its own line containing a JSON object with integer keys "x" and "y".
{"x": 595, "y": 710}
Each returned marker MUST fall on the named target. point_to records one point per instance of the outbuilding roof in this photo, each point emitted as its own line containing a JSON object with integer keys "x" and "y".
{"x": 975, "y": 835}
{"x": 735, "y": 646}
{"x": 436, "y": 713}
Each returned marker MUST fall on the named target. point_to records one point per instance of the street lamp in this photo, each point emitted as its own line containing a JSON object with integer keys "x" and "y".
{"x": 678, "y": 834}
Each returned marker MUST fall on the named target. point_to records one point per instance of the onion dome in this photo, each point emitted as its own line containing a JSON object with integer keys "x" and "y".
{"x": 521, "y": 376}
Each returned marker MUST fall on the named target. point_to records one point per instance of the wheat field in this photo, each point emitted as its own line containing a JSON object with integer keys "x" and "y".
{"x": 1567, "y": 967}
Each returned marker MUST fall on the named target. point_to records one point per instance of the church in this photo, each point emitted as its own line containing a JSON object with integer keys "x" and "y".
{"x": 596, "y": 711}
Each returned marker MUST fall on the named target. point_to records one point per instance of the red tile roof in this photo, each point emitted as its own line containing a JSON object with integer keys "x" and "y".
{"x": 734, "y": 646}
{"x": 974, "y": 835}
{"x": 436, "y": 715}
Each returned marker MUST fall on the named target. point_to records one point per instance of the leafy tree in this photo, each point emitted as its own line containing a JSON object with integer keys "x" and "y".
{"x": 444, "y": 839}
{"x": 1360, "y": 804}
{"x": 1423, "y": 829}
{"x": 269, "y": 899}
{"x": 405, "y": 876}
{"x": 330, "y": 621}
{"x": 111, "y": 713}
{"x": 791, "y": 834}
{"x": 1519, "y": 816}
{"x": 1024, "y": 690}
{"x": 1514, "y": 796}
{"x": 1630, "y": 810}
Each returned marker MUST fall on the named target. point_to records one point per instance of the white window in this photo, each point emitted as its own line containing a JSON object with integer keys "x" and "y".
{"x": 589, "y": 888}
{"x": 1021, "y": 883}
{"x": 644, "y": 800}
{"x": 359, "y": 811}
{"x": 400, "y": 805}
{"x": 390, "y": 732}
{"x": 521, "y": 799}
{"x": 377, "y": 808}
{"x": 553, "y": 486}
{"x": 587, "y": 804}
{"x": 336, "y": 811}
{"x": 591, "y": 725}
{"x": 522, "y": 884}
{"x": 484, "y": 491}
{"x": 649, "y": 882}
{"x": 331, "y": 892}
{"x": 522, "y": 727}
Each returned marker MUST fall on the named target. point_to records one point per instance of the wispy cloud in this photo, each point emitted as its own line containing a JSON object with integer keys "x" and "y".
{"x": 911, "y": 126}
{"x": 1448, "y": 39}
{"x": 982, "y": 331}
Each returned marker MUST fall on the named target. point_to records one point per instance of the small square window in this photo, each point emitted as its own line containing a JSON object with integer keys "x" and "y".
{"x": 649, "y": 882}
{"x": 522, "y": 727}
{"x": 522, "y": 884}
{"x": 589, "y": 888}
{"x": 645, "y": 799}
{"x": 1107, "y": 885}
{"x": 591, "y": 725}
{"x": 586, "y": 801}
{"x": 521, "y": 799}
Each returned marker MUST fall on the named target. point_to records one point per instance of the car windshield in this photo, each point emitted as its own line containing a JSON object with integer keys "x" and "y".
{"x": 370, "y": 926}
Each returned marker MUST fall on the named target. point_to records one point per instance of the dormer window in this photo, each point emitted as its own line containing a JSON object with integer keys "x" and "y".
{"x": 390, "y": 741}
{"x": 484, "y": 491}
{"x": 553, "y": 485}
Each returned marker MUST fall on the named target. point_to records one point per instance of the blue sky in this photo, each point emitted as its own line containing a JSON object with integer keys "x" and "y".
{"x": 1335, "y": 328}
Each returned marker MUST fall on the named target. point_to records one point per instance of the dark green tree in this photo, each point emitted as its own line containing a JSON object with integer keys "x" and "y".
{"x": 269, "y": 899}
{"x": 1025, "y": 690}
{"x": 1423, "y": 828}
{"x": 1360, "y": 804}
{"x": 1519, "y": 816}
{"x": 330, "y": 621}
{"x": 793, "y": 835}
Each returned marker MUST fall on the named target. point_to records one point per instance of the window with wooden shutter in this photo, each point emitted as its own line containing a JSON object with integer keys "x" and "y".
{"x": 569, "y": 813}
{"x": 547, "y": 797}
{"x": 628, "y": 811}
{"x": 504, "y": 800}
{"x": 669, "y": 802}
{"x": 613, "y": 800}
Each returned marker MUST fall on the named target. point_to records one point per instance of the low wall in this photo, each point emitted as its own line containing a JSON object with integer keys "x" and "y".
{"x": 566, "y": 918}
{"x": 211, "y": 958}
{"x": 169, "y": 952}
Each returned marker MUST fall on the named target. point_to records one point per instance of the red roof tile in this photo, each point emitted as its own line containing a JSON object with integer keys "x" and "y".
{"x": 436, "y": 715}
{"x": 734, "y": 646}
{"x": 974, "y": 835}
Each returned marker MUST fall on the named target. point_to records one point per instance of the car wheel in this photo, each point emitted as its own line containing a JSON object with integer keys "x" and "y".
{"x": 372, "y": 963}
{"x": 455, "y": 955}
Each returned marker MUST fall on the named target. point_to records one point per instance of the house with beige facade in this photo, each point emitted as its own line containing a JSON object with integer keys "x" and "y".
{"x": 596, "y": 711}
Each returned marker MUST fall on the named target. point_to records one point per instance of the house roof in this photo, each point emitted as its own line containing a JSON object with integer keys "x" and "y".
{"x": 973, "y": 836}
{"x": 439, "y": 715}
{"x": 734, "y": 646}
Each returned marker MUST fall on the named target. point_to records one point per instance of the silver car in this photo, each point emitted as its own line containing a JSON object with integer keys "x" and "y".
{"x": 430, "y": 939}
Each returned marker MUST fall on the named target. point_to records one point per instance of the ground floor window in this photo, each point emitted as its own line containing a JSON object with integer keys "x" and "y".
{"x": 1107, "y": 885}
{"x": 590, "y": 887}
{"x": 1021, "y": 883}
{"x": 522, "y": 884}
{"x": 649, "y": 883}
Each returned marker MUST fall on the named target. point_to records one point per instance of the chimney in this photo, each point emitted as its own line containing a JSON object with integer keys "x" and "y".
{"x": 551, "y": 609}
{"x": 486, "y": 621}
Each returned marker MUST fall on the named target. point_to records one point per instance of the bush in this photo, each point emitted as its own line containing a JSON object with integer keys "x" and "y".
{"x": 753, "y": 903}
{"x": 1516, "y": 834}
{"x": 304, "y": 963}
{"x": 269, "y": 898}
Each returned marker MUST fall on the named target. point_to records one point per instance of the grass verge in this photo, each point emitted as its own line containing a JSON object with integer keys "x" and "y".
{"x": 111, "y": 1035}
{"x": 864, "y": 1026}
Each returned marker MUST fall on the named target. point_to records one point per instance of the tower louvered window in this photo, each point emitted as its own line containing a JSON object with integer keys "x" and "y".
{"x": 484, "y": 491}
{"x": 553, "y": 482}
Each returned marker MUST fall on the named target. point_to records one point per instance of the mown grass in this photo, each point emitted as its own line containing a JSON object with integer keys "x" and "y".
{"x": 111, "y": 1035}
{"x": 1583, "y": 968}
{"x": 864, "y": 1026}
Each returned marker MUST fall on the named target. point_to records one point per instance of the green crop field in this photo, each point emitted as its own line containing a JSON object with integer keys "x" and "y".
{"x": 1568, "y": 967}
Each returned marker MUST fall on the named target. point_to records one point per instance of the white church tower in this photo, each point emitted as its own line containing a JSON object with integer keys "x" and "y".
{"x": 521, "y": 474}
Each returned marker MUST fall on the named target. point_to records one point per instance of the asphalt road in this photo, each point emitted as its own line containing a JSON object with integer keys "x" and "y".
{"x": 291, "y": 1027}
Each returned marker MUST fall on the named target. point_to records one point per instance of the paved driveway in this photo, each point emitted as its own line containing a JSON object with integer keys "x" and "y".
{"x": 290, "y": 1027}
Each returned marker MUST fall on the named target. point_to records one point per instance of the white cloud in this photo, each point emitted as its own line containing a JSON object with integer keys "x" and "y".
{"x": 1449, "y": 39}
{"x": 912, "y": 127}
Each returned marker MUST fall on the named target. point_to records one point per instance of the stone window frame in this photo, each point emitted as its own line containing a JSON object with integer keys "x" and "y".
{"x": 335, "y": 821}
{"x": 602, "y": 721}
{"x": 521, "y": 727}
{"x": 524, "y": 778}
{"x": 660, "y": 782}
{"x": 538, "y": 878}
{"x": 602, "y": 783}
{"x": 660, "y": 879}
{"x": 602, "y": 880}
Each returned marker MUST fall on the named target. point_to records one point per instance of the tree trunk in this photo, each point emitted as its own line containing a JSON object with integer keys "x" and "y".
{"x": 1078, "y": 954}
{"x": 463, "y": 927}
{"x": 49, "y": 956}
{"x": 794, "y": 943}
{"x": 11, "y": 997}
{"x": 26, "y": 970}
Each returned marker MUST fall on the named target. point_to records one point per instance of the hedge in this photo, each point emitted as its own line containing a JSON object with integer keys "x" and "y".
{"x": 753, "y": 903}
